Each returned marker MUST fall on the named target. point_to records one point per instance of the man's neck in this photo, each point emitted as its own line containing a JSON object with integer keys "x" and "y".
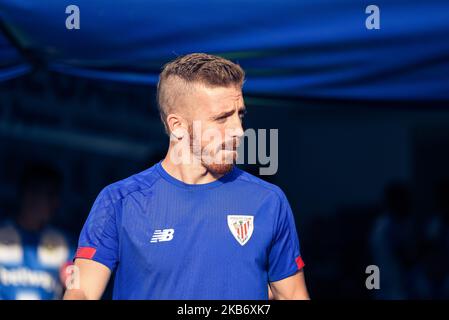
{"x": 191, "y": 173}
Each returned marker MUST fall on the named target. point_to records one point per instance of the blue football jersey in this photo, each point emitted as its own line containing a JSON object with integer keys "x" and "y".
{"x": 31, "y": 262}
{"x": 166, "y": 239}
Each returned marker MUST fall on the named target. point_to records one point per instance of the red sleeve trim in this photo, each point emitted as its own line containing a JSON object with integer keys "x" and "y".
{"x": 299, "y": 263}
{"x": 85, "y": 252}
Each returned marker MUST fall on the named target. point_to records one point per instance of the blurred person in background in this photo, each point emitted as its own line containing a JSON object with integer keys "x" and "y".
{"x": 432, "y": 271}
{"x": 393, "y": 243}
{"x": 33, "y": 254}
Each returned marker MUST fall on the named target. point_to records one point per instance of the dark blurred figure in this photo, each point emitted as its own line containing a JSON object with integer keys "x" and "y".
{"x": 393, "y": 243}
{"x": 434, "y": 266}
{"x": 39, "y": 197}
{"x": 33, "y": 254}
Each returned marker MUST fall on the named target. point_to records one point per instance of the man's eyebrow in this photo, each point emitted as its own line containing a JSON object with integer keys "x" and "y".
{"x": 225, "y": 114}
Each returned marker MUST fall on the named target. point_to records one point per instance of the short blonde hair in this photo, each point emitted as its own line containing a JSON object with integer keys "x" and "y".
{"x": 202, "y": 68}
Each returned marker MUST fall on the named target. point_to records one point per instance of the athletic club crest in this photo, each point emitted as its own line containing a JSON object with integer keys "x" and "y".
{"x": 241, "y": 227}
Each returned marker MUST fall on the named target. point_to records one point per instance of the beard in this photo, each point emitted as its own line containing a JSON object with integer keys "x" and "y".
{"x": 210, "y": 159}
{"x": 219, "y": 167}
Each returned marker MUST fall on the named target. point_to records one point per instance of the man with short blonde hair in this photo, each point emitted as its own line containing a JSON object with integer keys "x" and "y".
{"x": 193, "y": 226}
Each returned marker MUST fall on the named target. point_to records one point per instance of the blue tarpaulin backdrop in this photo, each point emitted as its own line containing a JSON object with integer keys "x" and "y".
{"x": 289, "y": 48}
{"x": 11, "y": 62}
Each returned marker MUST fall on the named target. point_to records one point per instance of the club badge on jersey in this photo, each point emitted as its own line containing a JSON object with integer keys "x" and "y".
{"x": 241, "y": 227}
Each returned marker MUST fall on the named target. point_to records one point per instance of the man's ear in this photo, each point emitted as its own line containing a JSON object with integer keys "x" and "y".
{"x": 177, "y": 126}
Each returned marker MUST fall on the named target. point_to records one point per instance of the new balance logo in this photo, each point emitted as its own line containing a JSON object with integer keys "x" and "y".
{"x": 162, "y": 235}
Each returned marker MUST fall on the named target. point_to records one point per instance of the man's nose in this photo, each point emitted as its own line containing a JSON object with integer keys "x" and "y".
{"x": 237, "y": 128}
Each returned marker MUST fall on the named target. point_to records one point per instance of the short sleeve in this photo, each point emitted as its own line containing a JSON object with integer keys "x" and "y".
{"x": 99, "y": 239}
{"x": 285, "y": 257}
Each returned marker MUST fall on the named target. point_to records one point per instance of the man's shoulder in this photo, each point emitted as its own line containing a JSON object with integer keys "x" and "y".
{"x": 139, "y": 182}
{"x": 256, "y": 184}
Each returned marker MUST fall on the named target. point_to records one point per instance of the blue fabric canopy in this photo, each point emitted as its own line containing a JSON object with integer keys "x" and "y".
{"x": 11, "y": 62}
{"x": 289, "y": 48}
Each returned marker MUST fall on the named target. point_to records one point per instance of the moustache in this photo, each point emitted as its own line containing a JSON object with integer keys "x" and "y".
{"x": 230, "y": 145}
